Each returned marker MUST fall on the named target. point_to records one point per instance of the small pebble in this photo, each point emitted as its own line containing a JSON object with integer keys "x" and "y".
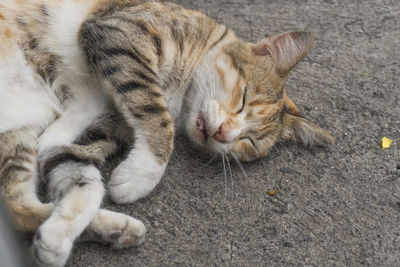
{"x": 287, "y": 244}
{"x": 286, "y": 170}
{"x": 272, "y": 192}
{"x": 382, "y": 203}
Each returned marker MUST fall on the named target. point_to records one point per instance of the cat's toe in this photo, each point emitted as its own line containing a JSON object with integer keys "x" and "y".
{"x": 117, "y": 229}
{"x": 122, "y": 193}
{"x": 49, "y": 249}
{"x": 132, "y": 235}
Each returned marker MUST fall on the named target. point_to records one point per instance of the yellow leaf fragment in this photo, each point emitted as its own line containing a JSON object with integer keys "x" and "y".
{"x": 386, "y": 142}
{"x": 273, "y": 192}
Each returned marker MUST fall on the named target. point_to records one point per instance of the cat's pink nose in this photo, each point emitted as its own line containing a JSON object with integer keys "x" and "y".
{"x": 223, "y": 134}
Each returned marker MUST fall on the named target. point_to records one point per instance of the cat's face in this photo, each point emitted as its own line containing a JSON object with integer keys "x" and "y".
{"x": 240, "y": 106}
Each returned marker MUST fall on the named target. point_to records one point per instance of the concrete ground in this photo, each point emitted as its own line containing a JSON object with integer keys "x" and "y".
{"x": 337, "y": 206}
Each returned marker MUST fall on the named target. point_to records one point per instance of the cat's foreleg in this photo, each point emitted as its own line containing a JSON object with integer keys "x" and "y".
{"x": 129, "y": 73}
{"x": 142, "y": 170}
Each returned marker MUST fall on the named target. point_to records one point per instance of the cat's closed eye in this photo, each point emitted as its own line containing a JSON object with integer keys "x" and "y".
{"x": 243, "y": 100}
{"x": 247, "y": 139}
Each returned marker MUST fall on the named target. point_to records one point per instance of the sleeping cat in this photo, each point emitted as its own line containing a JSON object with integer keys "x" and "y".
{"x": 78, "y": 79}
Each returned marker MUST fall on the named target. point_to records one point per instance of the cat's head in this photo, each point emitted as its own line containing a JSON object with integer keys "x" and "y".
{"x": 239, "y": 105}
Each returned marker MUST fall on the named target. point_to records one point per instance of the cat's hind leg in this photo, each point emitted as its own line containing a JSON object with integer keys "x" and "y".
{"x": 27, "y": 106}
{"x": 75, "y": 184}
{"x": 76, "y": 188}
{"x": 18, "y": 179}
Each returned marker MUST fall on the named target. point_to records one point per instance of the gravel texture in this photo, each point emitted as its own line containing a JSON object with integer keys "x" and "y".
{"x": 337, "y": 206}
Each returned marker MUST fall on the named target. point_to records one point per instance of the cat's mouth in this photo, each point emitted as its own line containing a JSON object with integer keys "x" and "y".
{"x": 201, "y": 125}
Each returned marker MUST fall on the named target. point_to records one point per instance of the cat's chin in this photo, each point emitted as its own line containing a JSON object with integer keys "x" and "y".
{"x": 202, "y": 150}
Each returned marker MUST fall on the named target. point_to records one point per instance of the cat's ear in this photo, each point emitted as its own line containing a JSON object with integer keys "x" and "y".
{"x": 286, "y": 49}
{"x": 302, "y": 131}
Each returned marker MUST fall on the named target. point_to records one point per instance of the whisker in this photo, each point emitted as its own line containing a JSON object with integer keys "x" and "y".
{"x": 272, "y": 145}
{"x": 188, "y": 99}
{"x": 209, "y": 162}
{"x": 239, "y": 163}
{"x": 226, "y": 187}
{"x": 230, "y": 172}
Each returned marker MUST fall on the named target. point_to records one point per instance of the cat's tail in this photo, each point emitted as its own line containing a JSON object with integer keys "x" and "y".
{"x": 19, "y": 178}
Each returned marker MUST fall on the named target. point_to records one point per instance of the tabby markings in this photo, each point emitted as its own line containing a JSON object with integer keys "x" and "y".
{"x": 153, "y": 108}
{"x": 158, "y": 45}
{"x": 130, "y": 86}
{"x": 65, "y": 157}
{"x": 220, "y": 38}
{"x": 110, "y": 70}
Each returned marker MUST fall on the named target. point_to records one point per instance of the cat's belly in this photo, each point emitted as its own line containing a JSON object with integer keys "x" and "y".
{"x": 24, "y": 98}
{"x": 87, "y": 102}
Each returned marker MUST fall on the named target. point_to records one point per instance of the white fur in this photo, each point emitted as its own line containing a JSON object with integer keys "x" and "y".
{"x": 65, "y": 19}
{"x": 214, "y": 116}
{"x": 174, "y": 103}
{"x": 88, "y": 102}
{"x": 135, "y": 177}
{"x": 108, "y": 222}
{"x": 89, "y": 99}
{"x": 71, "y": 215}
{"x": 231, "y": 74}
{"x": 24, "y": 99}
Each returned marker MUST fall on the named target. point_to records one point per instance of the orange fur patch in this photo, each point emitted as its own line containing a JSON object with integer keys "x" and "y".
{"x": 7, "y": 33}
{"x": 290, "y": 105}
{"x": 236, "y": 95}
{"x": 221, "y": 74}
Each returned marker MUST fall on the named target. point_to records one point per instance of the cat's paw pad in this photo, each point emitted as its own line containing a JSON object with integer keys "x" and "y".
{"x": 117, "y": 229}
{"x": 49, "y": 248}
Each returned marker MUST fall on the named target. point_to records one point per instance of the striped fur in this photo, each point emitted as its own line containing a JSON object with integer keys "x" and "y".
{"x": 81, "y": 79}
{"x": 18, "y": 172}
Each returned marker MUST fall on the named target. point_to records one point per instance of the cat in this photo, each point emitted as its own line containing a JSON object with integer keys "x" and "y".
{"x": 80, "y": 79}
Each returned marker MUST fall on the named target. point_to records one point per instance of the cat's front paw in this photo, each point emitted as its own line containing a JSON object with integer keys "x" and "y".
{"x": 50, "y": 247}
{"x": 117, "y": 229}
{"x": 134, "y": 178}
